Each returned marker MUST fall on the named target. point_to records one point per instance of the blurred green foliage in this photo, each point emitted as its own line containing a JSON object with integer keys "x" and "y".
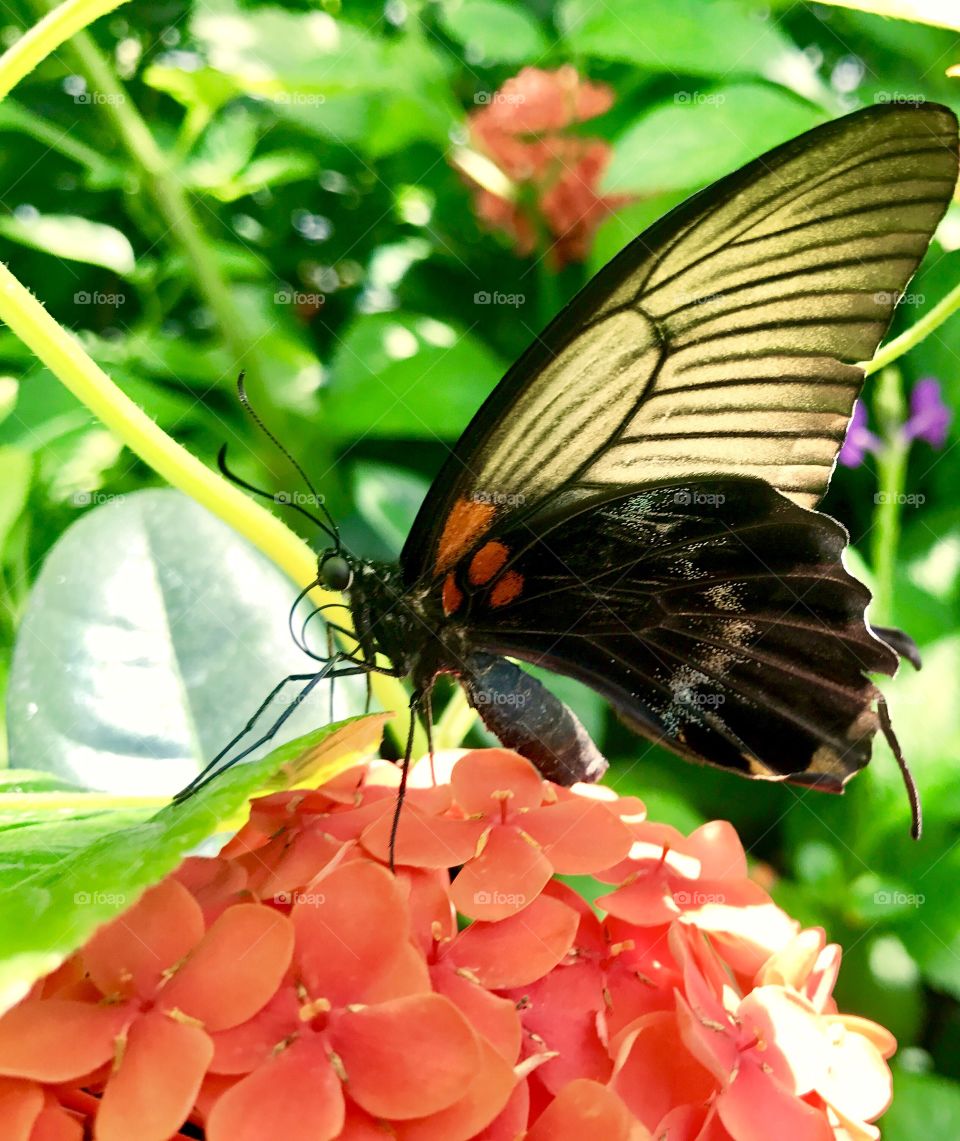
{"x": 342, "y": 260}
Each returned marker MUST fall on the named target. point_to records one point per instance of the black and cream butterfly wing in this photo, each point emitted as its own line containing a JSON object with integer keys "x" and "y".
{"x": 722, "y": 341}
{"x": 632, "y": 505}
{"x": 716, "y": 617}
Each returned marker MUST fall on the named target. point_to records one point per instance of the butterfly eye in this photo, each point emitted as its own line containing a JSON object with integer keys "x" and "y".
{"x": 336, "y": 573}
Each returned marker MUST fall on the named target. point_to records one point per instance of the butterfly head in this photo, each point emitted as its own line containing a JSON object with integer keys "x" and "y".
{"x": 334, "y": 570}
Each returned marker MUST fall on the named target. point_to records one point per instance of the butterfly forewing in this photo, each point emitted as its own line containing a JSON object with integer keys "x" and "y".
{"x": 722, "y": 341}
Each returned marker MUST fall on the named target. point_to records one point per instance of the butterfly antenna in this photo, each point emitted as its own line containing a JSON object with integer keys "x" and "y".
{"x": 332, "y": 529}
{"x": 913, "y": 793}
{"x": 228, "y": 472}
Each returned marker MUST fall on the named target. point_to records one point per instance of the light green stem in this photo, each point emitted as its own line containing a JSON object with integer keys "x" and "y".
{"x": 912, "y": 337}
{"x": 46, "y": 36}
{"x": 892, "y": 473}
{"x": 160, "y": 181}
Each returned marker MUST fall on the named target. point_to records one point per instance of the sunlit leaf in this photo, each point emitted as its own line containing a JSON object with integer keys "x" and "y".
{"x": 71, "y": 237}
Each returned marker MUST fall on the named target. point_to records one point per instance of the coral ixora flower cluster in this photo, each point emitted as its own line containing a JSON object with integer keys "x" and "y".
{"x": 295, "y": 986}
{"x": 549, "y": 194}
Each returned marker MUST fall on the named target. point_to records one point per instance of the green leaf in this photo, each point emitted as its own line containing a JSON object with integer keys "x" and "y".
{"x": 924, "y": 1105}
{"x": 723, "y": 37}
{"x": 73, "y": 238}
{"x": 16, "y": 468}
{"x": 330, "y": 76}
{"x": 64, "y": 872}
{"x": 389, "y": 498}
{"x": 698, "y": 136}
{"x": 493, "y": 31}
{"x": 151, "y": 635}
{"x": 389, "y": 368}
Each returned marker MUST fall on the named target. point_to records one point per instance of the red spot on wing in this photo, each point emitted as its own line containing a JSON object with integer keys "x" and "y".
{"x": 486, "y": 562}
{"x": 452, "y": 595}
{"x": 466, "y": 522}
{"x": 507, "y": 589}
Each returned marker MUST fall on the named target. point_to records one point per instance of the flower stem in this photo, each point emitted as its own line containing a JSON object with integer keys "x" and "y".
{"x": 159, "y": 179}
{"x": 893, "y": 350}
{"x": 46, "y": 36}
{"x": 891, "y": 474}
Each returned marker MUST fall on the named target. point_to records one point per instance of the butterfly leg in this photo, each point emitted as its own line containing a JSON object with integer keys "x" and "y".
{"x": 215, "y": 767}
{"x": 417, "y": 700}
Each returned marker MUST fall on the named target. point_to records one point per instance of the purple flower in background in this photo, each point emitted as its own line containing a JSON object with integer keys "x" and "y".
{"x": 929, "y": 420}
{"x": 860, "y": 439}
{"x": 929, "y": 416}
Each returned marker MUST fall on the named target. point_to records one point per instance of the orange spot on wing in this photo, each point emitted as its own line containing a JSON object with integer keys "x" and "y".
{"x": 466, "y": 522}
{"x": 507, "y": 589}
{"x": 452, "y": 595}
{"x": 486, "y": 562}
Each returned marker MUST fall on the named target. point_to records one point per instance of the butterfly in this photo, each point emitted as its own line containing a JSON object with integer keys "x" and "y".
{"x": 634, "y": 505}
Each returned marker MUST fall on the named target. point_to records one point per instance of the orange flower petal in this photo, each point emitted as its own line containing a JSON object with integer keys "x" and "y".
{"x": 58, "y": 1039}
{"x": 54, "y": 1124}
{"x": 131, "y": 954}
{"x": 308, "y": 851}
{"x": 587, "y": 1108}
{"x": 482, "y": 776}
{"x": 153, "y": 1091}
{"x": 880, "y": 1036}
{"x": 214, "y": 883}
{"x": 295, "y": 1096}
{"x": 21, "y": 1103}
{"x": 717, "y": 846}
{"x": 579, "y": 836}
{"x": 654, "y": 1070}
{"x": 563, "y": 1010}
{"x": 360, "y": 1126}
{"x": 755, "y": 1108}
{"x": 348, "y": 928}
{"x": 494, "y": 1018}
{"x": 242, "y": 1048}
{"x": 234, "y": 969}
{"x": 402, "y": 973}
{"x": 406, "y": 1058}
{"x": 486, "y": 1095}
{"x": 506, "y": 877}
{"x": 432, "y": 915}
{"x": 648, "y": 901}
{"x": 512, "y": 1120}
{"x": 858, "y": 1084}
{"x": 791, "y": 1041}
{"x": 518, "y": 950}
{"x": 423, "y": 841}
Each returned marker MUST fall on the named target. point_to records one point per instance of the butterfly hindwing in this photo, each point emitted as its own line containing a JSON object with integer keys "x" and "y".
{"x": 716, "y": 616}
{"x": 723, "y": 341}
